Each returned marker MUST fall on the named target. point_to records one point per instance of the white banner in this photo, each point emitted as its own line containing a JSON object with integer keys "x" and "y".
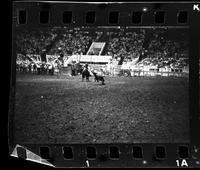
{"x": 95, "y": 58}
{"x": 87, "y": 58}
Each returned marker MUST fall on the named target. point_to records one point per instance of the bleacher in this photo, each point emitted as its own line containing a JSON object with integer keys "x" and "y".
{"x": 163, "y": 48}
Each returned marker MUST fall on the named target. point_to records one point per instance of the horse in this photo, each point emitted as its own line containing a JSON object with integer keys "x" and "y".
{"x": 85, "y": 74}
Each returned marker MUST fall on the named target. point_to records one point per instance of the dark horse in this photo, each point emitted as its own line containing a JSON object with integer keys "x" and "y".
{"x": 85, "y": 73}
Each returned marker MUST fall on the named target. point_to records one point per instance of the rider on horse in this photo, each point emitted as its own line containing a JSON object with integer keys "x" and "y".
{"x": 85, "y": 73}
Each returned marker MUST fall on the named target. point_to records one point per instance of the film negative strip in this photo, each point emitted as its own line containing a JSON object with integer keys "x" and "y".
{"x": 105, "y": 84}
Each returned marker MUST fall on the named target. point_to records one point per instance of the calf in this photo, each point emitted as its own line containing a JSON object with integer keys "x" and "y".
{"x": 98, "y": 78}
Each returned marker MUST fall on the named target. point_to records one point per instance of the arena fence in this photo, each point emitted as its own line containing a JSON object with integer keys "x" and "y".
{"x": 117, "y": 71}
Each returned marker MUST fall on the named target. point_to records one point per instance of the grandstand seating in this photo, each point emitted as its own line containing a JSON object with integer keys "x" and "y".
{"x": 152, "y": 46}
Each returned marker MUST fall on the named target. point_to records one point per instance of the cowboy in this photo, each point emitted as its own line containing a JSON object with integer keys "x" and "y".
{"x": 38, "y": 68}
{"x": 72, "y": 70}
{"x": 85, "y": 73}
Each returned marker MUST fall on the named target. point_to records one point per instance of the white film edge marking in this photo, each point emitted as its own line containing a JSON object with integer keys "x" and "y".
{"x": 30, "y": 156}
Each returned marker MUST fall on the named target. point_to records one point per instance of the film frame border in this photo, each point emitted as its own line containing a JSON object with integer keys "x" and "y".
{"x": 125, "y": 159}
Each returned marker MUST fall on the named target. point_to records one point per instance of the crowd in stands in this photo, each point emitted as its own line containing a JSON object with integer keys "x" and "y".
{"x": 123, "y": 45}
{"x": 164, "y": 62}
{"x": 163, "y": 52}
{"x": 75, "y": 41}
{"x": 35, "y": 41}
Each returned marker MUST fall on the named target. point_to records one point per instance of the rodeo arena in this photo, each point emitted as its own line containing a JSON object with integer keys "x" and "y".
{"x": 102, "y": 84}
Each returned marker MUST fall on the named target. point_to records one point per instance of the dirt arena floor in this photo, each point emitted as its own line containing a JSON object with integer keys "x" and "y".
{"x": 62, "y": 109}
